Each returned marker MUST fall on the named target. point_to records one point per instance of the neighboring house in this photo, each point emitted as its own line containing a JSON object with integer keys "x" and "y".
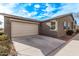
{"x": 15, "y": 26}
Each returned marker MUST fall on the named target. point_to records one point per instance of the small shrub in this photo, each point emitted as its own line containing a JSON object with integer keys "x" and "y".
{"x": 69, "y": 32}
{"x": 3, "y": 37}
{"x": 4, "y": 50}
{"x": 1, "y": 33}
{"x": 1, "y": 29}
{"x": 4, "y": 45}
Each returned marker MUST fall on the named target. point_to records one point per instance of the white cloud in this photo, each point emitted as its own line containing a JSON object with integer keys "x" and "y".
{"x": 39, "y": 16}
{"x": 25, "y": 13}
{"x": 37, "y": 6}
{"x": 48, "y": 11}
{"x": 49, "y": 8}
{"x": 6, "y": 8}
{"x": 31, "y": 14}
{"x": 68, "y": 8}
{"x": 29, "y": 4}
{"x": 45, "y": 15}
{"x": 64, "y": 9}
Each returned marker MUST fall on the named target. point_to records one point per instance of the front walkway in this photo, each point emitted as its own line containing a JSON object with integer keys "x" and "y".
{"x": 71, "y": 49}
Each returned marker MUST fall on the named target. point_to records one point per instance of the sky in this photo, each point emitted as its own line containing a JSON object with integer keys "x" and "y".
{"x": 39, "y": 11}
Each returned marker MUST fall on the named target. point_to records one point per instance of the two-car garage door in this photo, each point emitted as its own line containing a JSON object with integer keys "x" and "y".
{"x": 23, "y": 29}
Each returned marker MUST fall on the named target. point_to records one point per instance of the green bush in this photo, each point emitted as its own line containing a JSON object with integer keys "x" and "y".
{"x": 4, "y": 45}
{"x": 3, "y": 37}
{"x": 69, "y": 32}
{"x": 1, "y": 33}
{"x": 4, "y": 50}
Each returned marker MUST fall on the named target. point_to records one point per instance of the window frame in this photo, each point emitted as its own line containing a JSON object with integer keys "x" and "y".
{"x": 54, "y": 25}
{"x": 65, "y": 25}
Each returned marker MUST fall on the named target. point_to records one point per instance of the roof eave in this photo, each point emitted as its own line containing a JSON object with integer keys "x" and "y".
{"x": 57, "y": 17}
{"x": 19, "y": 17}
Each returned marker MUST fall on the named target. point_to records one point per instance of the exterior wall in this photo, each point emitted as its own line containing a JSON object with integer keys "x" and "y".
{"x": 70, "y": 21}
{"x": 77, "y": 27}
{"x": 45, "y": 30}
{"x": 61, "y": 21}
{"x": 7, "y": 27}
{"x": 60, "y": 31}
{"x": 16, "y": 27}
{"x": 74, "y": 27}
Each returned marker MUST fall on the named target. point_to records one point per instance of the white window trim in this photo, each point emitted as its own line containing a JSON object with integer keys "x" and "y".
{"x": 55, "y": 26}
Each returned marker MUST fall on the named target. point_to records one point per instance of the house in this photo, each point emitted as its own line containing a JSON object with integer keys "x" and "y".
{"x": 77, "y": 27}
{"x": 15, "y": 26}
{"x": 56, "y": 27}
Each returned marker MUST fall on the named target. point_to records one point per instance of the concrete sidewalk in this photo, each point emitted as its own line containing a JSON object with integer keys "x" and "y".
{"x": 26, "y": 50}
{"x": 71, "y": 49}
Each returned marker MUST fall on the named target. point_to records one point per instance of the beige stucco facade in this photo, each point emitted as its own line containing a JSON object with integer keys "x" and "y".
{"x": 15, "y": 27}
{"x": 77, "y": 27}
{"x": 69, "y": 21}
{"x": 19, "y": 26}
{"x": 59, "y": 25}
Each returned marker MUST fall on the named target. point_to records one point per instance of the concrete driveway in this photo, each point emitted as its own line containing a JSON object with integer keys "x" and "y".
{"x": 36, "y": 45}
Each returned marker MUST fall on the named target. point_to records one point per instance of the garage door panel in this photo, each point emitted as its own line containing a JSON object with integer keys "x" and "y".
{"x": 23, "y": 29}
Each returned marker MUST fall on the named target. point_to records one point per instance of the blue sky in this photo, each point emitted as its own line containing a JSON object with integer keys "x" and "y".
{"x": 39, "y": 11}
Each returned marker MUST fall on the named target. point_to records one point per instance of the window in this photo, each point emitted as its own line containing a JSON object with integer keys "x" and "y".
{"x": 53, "y": 25}
{"x": 65, "y": 25}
